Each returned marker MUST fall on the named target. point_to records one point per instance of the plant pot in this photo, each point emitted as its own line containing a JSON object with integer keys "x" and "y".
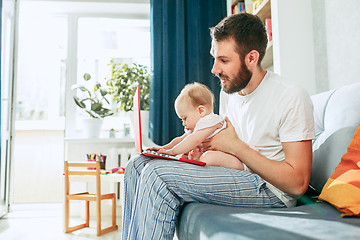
{"x": 129, "y": 116}
{"x": 92, "y": 127}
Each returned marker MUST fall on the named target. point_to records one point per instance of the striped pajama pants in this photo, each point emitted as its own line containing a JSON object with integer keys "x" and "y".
{"x": 155, "y": 190}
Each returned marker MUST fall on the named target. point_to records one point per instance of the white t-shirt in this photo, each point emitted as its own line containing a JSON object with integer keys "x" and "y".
{"x": 274, "y": 112}
{"x": 210, "y": 120}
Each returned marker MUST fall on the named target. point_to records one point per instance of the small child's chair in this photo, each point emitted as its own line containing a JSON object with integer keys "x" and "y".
{"x": 86, "y": 196}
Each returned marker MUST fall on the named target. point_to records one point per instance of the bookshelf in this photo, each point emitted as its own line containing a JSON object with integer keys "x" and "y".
{"x": 263, "y": 11}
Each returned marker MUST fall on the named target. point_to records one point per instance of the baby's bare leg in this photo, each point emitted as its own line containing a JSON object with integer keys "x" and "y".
{"x": 195, "y": 154}
{"x": 221, "y": 159}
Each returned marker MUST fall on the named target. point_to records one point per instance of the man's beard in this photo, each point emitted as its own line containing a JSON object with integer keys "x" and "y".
{"x": 239, "y": 82}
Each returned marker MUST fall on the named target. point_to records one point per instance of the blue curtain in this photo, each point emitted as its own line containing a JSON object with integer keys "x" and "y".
{"x": 180, "y": 43}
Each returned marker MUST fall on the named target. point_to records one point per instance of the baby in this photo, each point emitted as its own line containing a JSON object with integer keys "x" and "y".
{"x": 195, "y": 106}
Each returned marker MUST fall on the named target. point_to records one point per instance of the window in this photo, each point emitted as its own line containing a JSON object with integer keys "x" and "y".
{"x": 59, "y": 41}
{"x": 42, "y": 53}
{"x": 101, "y": 40}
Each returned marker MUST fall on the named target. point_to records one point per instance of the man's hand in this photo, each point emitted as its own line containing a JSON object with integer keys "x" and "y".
{"x": 223, "y": 140}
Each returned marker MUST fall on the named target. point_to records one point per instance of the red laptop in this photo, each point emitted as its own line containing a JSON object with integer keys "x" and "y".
{"x": 138, "y": 139}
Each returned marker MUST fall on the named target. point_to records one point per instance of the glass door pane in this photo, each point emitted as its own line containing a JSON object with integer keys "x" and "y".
{"x": 40, "y": 103}
{"x": 7, "y": 29}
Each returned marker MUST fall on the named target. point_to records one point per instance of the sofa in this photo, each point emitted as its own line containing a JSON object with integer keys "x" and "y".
{"x": 337, "y": 115}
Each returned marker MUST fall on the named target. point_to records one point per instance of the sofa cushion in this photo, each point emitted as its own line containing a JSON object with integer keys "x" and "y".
{"x": 318, "y": 220}
{"x": 328, "y": 155}
{"x": 343, "y": 187}
{"x": 336, "y": 116}
{"x": 320, "y": 102}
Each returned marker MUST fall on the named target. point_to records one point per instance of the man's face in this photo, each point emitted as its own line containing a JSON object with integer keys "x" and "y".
{"x": 232, "y": 72}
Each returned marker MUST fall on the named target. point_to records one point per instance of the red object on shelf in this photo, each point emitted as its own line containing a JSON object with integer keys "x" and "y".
{"x": 268, "y": 29}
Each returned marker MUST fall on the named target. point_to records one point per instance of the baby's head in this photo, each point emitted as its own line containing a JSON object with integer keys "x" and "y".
{"x": 194, "y": 101}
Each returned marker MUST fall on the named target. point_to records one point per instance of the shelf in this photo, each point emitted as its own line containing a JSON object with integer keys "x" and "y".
{"x": 234, "y": 3}
{"x": 268, "y": 58}
{"x": 263, "y": 11}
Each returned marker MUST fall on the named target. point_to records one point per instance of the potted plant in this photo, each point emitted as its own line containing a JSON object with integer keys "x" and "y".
{"x": 92, "y": 102}
{"x": 124, "y": 80}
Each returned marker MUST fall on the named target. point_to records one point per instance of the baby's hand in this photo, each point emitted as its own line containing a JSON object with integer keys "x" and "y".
{"x": 153, "y": 149}
{"x": 166, "y": 151}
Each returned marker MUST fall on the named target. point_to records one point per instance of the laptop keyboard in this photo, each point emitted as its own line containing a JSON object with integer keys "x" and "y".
{"x": 161, "y": 154}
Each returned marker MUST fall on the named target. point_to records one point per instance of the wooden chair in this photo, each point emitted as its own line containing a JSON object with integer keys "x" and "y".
{"x": 86, "y": 196}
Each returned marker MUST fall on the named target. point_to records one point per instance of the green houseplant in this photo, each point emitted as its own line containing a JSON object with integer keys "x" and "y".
{"x": 93, "y": 100}
{"x": 124, "y": 80}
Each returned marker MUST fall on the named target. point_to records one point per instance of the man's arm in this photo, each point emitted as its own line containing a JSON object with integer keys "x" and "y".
{"x": 291, "y": 176}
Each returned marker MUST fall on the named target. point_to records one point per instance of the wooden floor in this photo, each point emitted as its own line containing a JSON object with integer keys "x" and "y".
{"x": 45, "y": 222}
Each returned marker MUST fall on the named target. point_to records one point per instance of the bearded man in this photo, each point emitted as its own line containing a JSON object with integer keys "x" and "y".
{"x": 270, "y": 128}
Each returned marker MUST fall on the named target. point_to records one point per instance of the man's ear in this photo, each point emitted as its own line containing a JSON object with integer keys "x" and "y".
{"x": 251, "y": 59}
{"x": 202, "y": 110}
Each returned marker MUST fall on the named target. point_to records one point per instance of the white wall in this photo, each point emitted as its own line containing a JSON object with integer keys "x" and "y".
{"x": 336, "y": 42}
{"x": 293, "y": 50}
{"x": 316, "y": 43}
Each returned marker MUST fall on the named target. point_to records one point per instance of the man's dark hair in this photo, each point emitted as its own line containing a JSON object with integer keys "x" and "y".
{"x": 247, "y": 30}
